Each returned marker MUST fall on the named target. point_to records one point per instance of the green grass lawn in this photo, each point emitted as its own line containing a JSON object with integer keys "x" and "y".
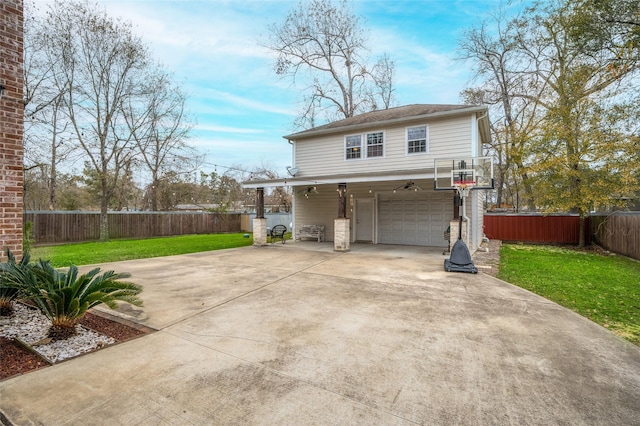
{"x": 112, "y": 251}
{"x": 605, "y": 289}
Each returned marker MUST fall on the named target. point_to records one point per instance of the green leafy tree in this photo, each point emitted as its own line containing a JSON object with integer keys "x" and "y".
{"x": 74, "y": 194}
{"x": 171, "y": 189}
{"x": 564, "y": 76}
{"x": 222, "y": 190}
{"x": 580, "y": 155}
{"x": 612, "y": 25}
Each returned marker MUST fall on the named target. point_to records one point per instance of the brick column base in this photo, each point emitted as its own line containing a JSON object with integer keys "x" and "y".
{"x": 453, "y": 225}
{"x": 341, "y": 234}
{"x": 259, "y": 232}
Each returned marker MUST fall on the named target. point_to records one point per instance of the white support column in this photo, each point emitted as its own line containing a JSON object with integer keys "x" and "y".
{"x": 341, "y": 234}
{"x": 259, "y": 232}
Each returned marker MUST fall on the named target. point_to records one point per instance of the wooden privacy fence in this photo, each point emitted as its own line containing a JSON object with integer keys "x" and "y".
{"x": 618, "y": 232}
{"x": 63, "y": 227}
{"x": 534, "y": 228}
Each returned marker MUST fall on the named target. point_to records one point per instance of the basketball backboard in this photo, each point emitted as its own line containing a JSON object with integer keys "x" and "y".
{"x": 477, "y": 171}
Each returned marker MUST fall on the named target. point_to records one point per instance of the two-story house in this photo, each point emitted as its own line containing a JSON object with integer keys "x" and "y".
{"x": 370, "y": 178}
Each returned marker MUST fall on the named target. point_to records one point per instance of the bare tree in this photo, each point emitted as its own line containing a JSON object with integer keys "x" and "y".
{"x": 279, "y": 197}
{"x": 100, "y": 63}
{"x": 321, "y": 45}
{"x": 501, "y": 67}
{"x": 47, "y": 132}
{"x": 160, "y": 127}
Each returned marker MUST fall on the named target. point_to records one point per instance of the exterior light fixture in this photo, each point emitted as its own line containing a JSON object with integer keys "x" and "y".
{"x": 408, "y": 186}
{"x": 309, "y": 190}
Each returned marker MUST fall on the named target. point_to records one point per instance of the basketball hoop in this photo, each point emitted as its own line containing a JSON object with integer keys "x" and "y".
{"x": 464, "y": 186}
{"x": 462, "y": 175}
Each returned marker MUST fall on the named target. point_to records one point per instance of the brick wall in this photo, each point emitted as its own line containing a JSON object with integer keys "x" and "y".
{"x": 11, "y": 126}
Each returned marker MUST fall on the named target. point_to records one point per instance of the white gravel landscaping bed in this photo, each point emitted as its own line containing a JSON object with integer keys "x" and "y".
{"x": 31, "y": 327}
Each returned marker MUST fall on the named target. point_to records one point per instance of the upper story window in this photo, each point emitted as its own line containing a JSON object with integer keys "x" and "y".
{"x": 417, "y": 140}
{"x": 374, "y": 145}
{"x": 354, "y": 146}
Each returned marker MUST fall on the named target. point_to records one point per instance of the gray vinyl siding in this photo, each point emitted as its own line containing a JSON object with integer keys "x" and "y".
{"x": 318, "y": 209}
{"x": 322, "y": 208}
{"x": 325, "y": 155}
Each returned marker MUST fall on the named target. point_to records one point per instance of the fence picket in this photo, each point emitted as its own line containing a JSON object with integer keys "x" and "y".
{"x": 64, "y": 227}
{"x": 618, "y": 232}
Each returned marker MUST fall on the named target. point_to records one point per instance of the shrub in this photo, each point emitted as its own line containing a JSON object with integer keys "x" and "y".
{"x": 11, "y": 279}
{"x": 64, "y": 297}
{"x": 27, "y": 237}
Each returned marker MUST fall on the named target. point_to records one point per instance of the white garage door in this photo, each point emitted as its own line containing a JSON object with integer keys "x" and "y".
{"x": 416, "y": 218}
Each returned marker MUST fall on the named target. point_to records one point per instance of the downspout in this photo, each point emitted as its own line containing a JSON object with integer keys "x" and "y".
{"x": 464, "y": 204}
{"x": 476, "y": 146}
{"x": 480, "y": 232}
{"x": 293, "y": 152}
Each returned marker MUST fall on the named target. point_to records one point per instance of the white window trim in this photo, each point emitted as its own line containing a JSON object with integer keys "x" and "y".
{"x": 384, "y": 143}
{"x": 362, "y": 153}
{"x": 406, "y": 140}
{"x": 364, "y": 147}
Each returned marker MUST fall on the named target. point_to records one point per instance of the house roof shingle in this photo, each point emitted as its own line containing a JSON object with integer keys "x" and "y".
{"x": 402, "y": 113}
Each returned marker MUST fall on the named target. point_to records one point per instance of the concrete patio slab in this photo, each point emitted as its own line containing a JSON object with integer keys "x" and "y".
{"x": 178, "y": 287}
{"x": 291, "y": 335}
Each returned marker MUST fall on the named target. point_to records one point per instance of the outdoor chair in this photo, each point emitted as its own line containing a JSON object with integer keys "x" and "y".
{"x": 278, "y": 231}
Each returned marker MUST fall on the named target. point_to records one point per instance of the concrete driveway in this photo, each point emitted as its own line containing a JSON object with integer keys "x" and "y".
{"x": 297, "y": 334}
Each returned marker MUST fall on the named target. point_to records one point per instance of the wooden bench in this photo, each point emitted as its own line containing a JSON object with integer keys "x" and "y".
{"x": 311, "y": 231}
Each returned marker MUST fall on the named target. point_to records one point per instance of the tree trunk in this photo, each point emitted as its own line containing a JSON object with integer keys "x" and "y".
{"x": 52, "y": 187}
{"x": 581, "y": 238}
{"x": 104, "y": 222}
{"x": 104, "y": 210}
{"x": 155, "y": 184}
{"x": 154, "y": 196}
{"x": 54, "y": 160}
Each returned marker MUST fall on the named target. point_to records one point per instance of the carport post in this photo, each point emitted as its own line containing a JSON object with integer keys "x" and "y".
{"x": 259, "y": 223}
{"x": 341, "y": 225}
{"x": 342, "y": 200}
{"x": 259, "y": 203}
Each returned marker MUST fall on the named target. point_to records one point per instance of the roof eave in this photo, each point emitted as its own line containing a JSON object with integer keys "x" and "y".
{"x": 425, "y": 173}
{"x": 311, "y": 133}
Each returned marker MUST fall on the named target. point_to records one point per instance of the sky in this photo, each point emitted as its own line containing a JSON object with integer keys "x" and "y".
{"x": 242, "y": 109}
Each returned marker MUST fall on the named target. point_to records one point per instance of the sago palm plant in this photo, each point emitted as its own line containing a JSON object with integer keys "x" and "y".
{"x": 64, "y": 297}
{"x": 11, "y": 281}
